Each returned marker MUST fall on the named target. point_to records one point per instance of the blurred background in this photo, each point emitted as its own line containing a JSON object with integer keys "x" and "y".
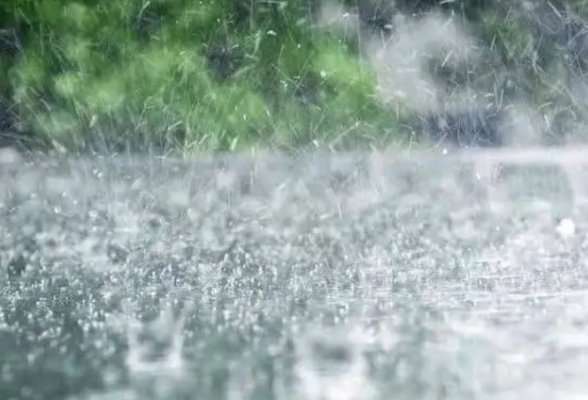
{"x": 221, "y": 75}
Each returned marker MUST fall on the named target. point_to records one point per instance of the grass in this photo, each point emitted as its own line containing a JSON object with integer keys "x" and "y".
{"x": 187, "y": 82}
{"x": 225, "y": 76}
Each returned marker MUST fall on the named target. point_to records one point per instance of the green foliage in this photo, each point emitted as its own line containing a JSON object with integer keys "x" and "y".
{"x": 218, "y": 74}
{"x": 212, "y": 75}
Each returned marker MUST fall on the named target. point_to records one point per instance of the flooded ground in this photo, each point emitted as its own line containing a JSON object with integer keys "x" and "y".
{"x": 320, "y": 277}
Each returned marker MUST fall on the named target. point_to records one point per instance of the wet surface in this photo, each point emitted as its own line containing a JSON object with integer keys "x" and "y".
{"x": 317, "y": 277}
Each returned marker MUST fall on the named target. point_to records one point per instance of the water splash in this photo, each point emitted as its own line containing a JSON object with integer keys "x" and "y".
{"x": 155, "y": 348}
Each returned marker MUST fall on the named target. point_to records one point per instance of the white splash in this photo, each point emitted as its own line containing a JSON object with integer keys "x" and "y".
{"x": 155, "y": 348}
{"x": 566, "y": 228}
{"x": 343, "y": 377}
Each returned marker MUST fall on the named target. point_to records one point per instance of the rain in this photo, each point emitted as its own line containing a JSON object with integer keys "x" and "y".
{"x": 449, "y": 266}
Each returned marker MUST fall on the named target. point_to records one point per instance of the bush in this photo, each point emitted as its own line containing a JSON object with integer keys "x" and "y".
{"x": 218, "y": 75}
{"x": 161, "y": 74}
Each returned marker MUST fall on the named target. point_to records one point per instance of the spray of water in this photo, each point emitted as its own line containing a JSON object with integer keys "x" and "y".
{"x": 423, "y": 274}
{"x": 403, "y": 56}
